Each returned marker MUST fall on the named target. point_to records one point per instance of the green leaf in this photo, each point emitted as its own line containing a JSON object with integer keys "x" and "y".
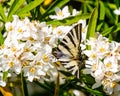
{"x": 117, "y": 3}
{"x": 110, "y": 37}
{"x": 5, "y": 74}
{"x": 109, "y": 14}
{"x": 24, "y": 15}
{"x": 2, "y": 13}
{"x": 15, "y": 6}
{"x": 101, "y": 15}
{"x": 69, "y": 20}
{"x": 112, "y": 5}
{"x": 45, "y": 86}
{"x": 90, "y": 8}
{"x": 57, "y": 3}
{"x": 92, "y": 23}
{"x": 94, "y": 92}
{"x": 88, "y": 79}
{"x": 112, "y": 29}
{"x": 85, "y": 8}
{"x": 29, "y": 7}
{"x": 102, "y": 11}
{"x": 1, "y": 39}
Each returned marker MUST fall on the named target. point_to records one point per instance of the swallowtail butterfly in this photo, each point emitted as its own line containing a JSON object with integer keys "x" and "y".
{"x": 68, "y": 51}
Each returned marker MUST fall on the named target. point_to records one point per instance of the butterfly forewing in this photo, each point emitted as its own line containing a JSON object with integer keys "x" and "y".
{"x": 69, "y": 52}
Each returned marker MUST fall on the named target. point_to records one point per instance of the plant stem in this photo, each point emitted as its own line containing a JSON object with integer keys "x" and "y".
{"x": 24, "y": 86}
{"x": 57, "y": 86}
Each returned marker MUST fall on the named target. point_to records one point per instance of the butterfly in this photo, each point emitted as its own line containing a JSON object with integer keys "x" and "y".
{"x": 68, "y": 52}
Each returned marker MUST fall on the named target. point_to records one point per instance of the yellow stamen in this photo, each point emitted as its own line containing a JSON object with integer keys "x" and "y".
{"x": 10, "y": 28}
{"x": 109, "y": 73}
{"x": 27, "y": 50}
{"x": 32, "y": 70}
{"x": 31, "y": 39}
{"x": 108, "y": 65}
{"x": 46, "y": 58}
{"x": 5, "y": 56}
{"x": 102, "y": 49}
{"x": 38, "y": 63}
{"x": 59, "y": 13}
{"x": 116, "y": 53}
{"x": 11, "y": 63}
{"x": 93, "y": 55}
{"x": 47, "y": 39}
{"x": 107, "y": 53}
{"x": 35, "y": 23}
{"x": 113, "y": 84}
{"x": 20, "y": 30}
{"x": 106, "y": 82}
{"x": 59, "y": 32}
{"x": 25, "y": 63}
{"x": 13, "y": 49}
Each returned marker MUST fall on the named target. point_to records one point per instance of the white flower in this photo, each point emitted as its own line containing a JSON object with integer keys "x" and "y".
{"x": 78, "y": 93}
{"x": 111, "y": 64}
{"x": 91, "y": 54}
{"x": 10, "y": 62}
{"x": 60, "y": 14}
{"x": 96, "y": 85}
{"x": 2, "y": 83}
{"x": 74, "y": 12}
{"x": 115, "y": 50}
{"x": 64, "y": 13}
{"x": 47, "y": 35}
{"x": 97, "y": 70}
{"x": 117, "y": 11}
{"x": 61, "y": 31}
{"x": 33, "y": 71}
{"x": 110, "y": 86}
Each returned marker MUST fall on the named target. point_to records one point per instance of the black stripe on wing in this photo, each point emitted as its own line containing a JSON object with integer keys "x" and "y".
{"x": 71, "y": 39}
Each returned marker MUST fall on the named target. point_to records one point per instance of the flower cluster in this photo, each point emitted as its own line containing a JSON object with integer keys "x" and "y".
{"x": 103, "y": 63}
{"x": 28, "y": 48}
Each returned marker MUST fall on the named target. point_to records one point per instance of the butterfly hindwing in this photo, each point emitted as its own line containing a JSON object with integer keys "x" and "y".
{"x": 68, "y": 51}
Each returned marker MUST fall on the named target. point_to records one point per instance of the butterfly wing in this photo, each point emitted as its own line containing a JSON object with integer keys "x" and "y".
{"x": 68, "y": 51}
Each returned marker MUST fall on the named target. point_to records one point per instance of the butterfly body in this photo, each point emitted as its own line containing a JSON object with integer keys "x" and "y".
{"x": 68, "y": 51}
